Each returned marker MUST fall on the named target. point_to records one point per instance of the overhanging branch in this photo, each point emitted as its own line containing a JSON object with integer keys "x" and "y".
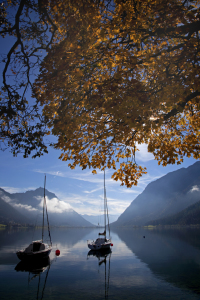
{"x": 181, "y": 105}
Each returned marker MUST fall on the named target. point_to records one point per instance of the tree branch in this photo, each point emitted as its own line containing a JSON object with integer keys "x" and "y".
{"x": 180, "y": 105}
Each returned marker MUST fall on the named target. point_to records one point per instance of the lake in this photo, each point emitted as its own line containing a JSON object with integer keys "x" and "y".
{"x": 165, "y": 264}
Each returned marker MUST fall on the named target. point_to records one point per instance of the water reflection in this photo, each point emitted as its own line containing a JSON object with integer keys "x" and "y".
{"x": 163, "y": 265}
{"x": 34, "y": 270}
{"x": 171, "y": 254}
{"x": 102, "y": 257}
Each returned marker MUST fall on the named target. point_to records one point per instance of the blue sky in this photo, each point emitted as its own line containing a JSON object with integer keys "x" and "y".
{"x": 81, "y": 189}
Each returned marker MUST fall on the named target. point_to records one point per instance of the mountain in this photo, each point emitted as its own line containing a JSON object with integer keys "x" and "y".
{"x": 10, "y": 215}
{"x": 29, "y": 206}
{"x": 99, "y": 220}
{"x": 163, "y": 197}
{"x": 188, "y": 216}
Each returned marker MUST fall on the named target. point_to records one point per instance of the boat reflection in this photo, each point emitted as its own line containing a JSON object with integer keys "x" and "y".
{"x": 35, "y": 269}
{"x": 99, "y": 253}
{"x": 103, "y": 256}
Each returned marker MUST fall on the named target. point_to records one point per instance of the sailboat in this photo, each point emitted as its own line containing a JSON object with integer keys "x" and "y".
{"x": 102, "y": 243}
{"x": 38, "y": 249}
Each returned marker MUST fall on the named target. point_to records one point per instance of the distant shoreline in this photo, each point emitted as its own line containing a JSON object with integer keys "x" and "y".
{"x": 149, "y": 227}
{"x": 4, "y": 226}
{"x": 157, "y": 226}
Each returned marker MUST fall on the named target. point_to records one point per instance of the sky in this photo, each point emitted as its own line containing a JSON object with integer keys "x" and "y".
{"x": 79, "y": 188}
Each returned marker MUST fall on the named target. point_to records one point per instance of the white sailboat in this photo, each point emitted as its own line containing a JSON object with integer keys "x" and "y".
{"x": 102, "y": 243}
{"x": 38, "y": 249}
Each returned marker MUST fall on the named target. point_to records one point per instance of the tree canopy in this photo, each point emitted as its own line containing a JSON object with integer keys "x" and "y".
{"x": 117, "y": 74}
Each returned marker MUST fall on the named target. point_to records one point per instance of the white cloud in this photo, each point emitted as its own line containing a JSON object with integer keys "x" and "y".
{"x": 72, "y": 199}
{"x": 93, "y": 191}
{"x": 39, "y": 198}
{"x": 27, "y": 207}
{"x": 54, "y": 173}
{"x": 6, "y": 198}
{"x": 195, "y": 188}
{"x": 17, "y": 205}
{"x": 143, "y": 154}
{"x": 89, "y": 177}
{"x": 55, "y": 205}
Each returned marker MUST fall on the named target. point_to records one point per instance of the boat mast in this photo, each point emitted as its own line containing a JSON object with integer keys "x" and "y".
{"x": 106, "y": 208}
{"x": 43, "y": 209}
{"x": 104, "y": 204}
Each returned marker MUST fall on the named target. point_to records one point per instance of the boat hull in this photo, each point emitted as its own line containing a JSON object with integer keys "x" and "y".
{"x": 39, "y": 255}
{"x": 97, "y": 247}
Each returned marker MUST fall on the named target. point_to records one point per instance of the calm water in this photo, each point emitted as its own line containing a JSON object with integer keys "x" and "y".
{"x": 163, "y": 265}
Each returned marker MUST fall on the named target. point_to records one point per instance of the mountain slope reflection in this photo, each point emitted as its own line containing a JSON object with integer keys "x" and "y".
{"x": 171, "y": 254}
{"x": 102, "y": 256}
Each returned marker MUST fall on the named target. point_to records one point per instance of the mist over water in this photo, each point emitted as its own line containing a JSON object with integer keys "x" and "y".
{"x": 144, "y": 264}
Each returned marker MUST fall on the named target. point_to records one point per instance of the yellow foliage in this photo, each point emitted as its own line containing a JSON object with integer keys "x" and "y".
{"x": 127, "y": 75}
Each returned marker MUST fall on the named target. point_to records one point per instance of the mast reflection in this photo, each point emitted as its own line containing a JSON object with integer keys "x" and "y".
{"x": 103, "y": 256}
